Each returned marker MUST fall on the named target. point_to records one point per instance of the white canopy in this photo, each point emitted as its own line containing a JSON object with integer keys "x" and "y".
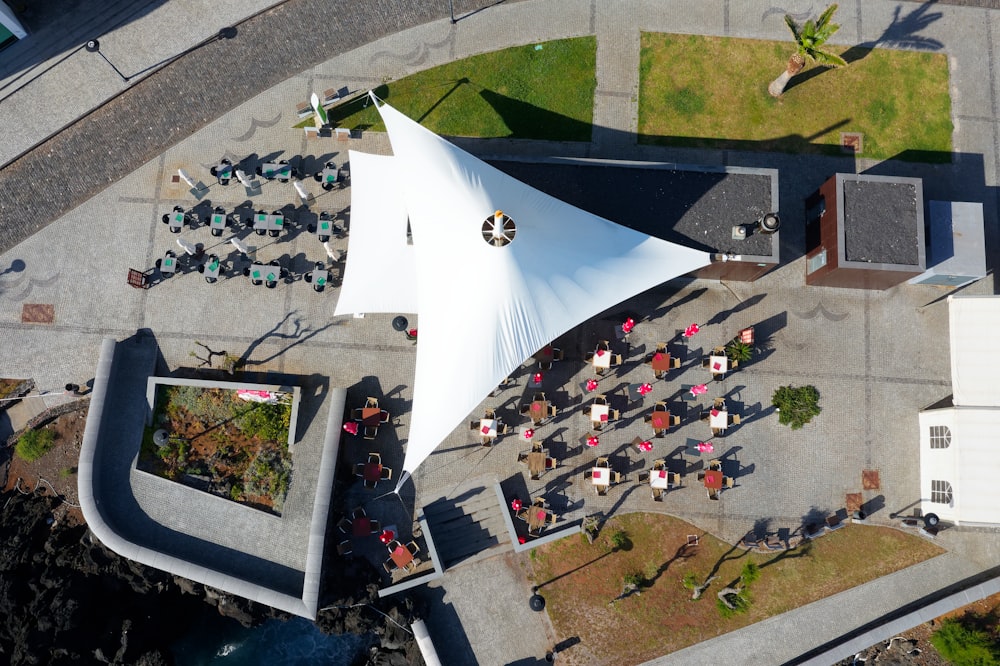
{"x": 378, "y": 276}
{"x": 974, "y": 323}
{"x": 9, "y": 21}
{"x": 483, "y": 309}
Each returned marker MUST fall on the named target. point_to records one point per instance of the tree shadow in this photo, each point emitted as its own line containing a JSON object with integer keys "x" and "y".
{"x": 900, "y": 34}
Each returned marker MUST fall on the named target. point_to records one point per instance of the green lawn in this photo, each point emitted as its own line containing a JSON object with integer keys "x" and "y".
{"x": 580, "y": 581}
{"x": 543, "y": 91}
{"x": 711, "y": 92}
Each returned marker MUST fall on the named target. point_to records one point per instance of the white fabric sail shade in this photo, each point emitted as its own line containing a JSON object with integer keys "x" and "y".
{"x": 483, "y": 309}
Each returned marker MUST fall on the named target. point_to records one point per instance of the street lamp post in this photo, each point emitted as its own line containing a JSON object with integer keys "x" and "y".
{"x": 94, "y": 46}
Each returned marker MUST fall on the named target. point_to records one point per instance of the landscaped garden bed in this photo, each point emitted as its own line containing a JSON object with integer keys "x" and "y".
{"x": 711, "y": 92}
{"x": 225, "y": 439}
{"x": 628, "y": 596}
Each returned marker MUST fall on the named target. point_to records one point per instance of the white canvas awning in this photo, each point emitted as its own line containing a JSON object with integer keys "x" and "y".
{"x": 484, "y": 309}
{"x": 975, "y": 368}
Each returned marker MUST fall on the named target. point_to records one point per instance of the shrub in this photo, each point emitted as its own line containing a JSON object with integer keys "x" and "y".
{"x": 964, "y": 645}
{"x": 619, "y": 539}
{"x": 634, "y": 580}
{"x": 739, "y": 602}
{"x": 34, "y": 444}
{"x": 67, "y": 472}
{"x": 690, "y": 581}
{"x": 739, "y": 351}
{"x": 751, "y": 572}
{"x": 269, "y": 422}
{"x": 796, "y": 406}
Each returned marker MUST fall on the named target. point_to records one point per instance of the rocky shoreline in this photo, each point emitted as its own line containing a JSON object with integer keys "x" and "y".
{"x": 68, "y": 599}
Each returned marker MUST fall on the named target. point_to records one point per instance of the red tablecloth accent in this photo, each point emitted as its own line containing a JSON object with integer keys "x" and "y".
{"x": 535, "y": 407}
{"x": 663, "y": 474}
{"x": 716, "y": 366}
{"x": 540, "y": 515}
{"x": 373, "y": 471}
{"x": 600, "y": 352}
{"x": 361, "y": 526}
{"x": 604, "y": 417}
{"x": 715, "y": 412}
{"x": 658, "y": 420}
{"x": 486, "y": 430}
{"x": 598, "y": 473}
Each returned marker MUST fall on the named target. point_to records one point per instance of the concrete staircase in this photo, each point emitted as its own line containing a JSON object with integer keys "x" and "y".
{"x": 467, "y": 525}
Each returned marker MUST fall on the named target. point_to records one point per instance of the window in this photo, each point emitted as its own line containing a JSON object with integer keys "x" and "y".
{"x": 940, "y": 492}
{"x": 940, "y": 437}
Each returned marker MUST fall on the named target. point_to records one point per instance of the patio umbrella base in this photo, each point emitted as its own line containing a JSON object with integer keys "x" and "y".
{"x": 537, "y": 602}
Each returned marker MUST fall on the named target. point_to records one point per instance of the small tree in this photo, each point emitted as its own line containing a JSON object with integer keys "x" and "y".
{"x": 809, "y": 39}
{"x": 796, "y": 406}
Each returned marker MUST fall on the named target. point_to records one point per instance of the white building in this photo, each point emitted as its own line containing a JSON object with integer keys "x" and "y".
{"x": 960, "y": 436}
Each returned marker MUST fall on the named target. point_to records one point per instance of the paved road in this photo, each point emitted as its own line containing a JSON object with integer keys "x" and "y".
{"x": 68, "y": 264}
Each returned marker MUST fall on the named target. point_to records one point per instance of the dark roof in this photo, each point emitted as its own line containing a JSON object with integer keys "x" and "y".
{"x": 880, "y": 222}
{"x": 693, "y": 208}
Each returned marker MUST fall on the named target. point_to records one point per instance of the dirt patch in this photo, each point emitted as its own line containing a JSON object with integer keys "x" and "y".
{"x": 54, "y": 474}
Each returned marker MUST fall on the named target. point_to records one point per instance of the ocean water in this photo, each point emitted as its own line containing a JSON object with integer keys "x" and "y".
{"x": 221, "y": 641}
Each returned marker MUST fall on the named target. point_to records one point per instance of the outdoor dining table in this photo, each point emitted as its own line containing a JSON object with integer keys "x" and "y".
{"x": 223, "y": 171}
{"x": 545, "y": 354}
{"x": 536, "y": 463}
{"x": 660, "y": 361}
{"x": 488, "y": 428}
{"x": 217, "y": 223}
{"x": 372, "y": 472}
{"x": 212, "y": 269}
{"x": 718, "y": 418}
{"x": 599, "y": 413}
{"x": 176, "y": 221}
{"x": 361, "y": 526}
{"x": 371, "y": 416}
{"x": 718, "y": 364}
{"x": 602, "y": 359}
{"x": 713, "y": 479}
{"x": 260, "y": 272}
{"x": 539, "y": 410}
{"x": 168, "y": 266}
{"x": 400, "y": 556}
{"x": 329, "y": 175}
{"x": 658, "y": 478}
{"x": 319, "y": 277}
{"x": 600, "y": 476}
{"x": 536, "y": 518}
{"x": 323, "y": 229}
{"x": 274, "y": 170}
{"x": 660, "y": 420}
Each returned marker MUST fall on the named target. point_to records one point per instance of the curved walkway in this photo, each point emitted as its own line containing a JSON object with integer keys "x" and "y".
{"x": 91, "y": 154}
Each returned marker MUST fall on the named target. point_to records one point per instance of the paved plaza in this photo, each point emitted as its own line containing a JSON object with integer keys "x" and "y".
{"x": 875, "y": 357}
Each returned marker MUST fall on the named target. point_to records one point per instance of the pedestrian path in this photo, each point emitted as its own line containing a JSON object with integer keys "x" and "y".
{"x": 366, "y": 46}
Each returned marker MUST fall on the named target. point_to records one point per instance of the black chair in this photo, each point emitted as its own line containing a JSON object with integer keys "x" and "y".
{"x": 225, "y": 181}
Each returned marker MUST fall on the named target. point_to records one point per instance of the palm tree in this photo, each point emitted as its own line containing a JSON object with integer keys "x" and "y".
{"x": 809, "y": 39}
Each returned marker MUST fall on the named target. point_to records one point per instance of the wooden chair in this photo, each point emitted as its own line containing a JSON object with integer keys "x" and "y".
{"x": 616, "y": 359}
{"x": 413, "y": 548}
{"x": 503, "y": 429}
{"x": 657, "y": 494}
{"x": 675, "y": 362}
{"x": 601, "y": 490}
{"x": 557, "y": 354}
{"x": 717, "y": 432}
{"x": 359, "y": 469}
{"x": 374, "y": 458}
{"x": 713, "y": 494}
{"x": 525, "y": 409}
{"x": 551, "y": 463}
{"x": 552, "y": 519}
{"x": 715, "y": 465}
{"x": 617, "y": 477}
{"x": 602, "y": 462}
{"x": 728, "y": 482}
{"x": 589, "y": 357}
{"x": 344, "y": 524}
{"x": 660, "y": 407}
{"x": 719, "y": 403}
{"x": 675, "y": 420}
{"x": 371, "y": 403}
{"x": 733, "y": 363}
{"x": 389, "y": 566}
{"x": 600, "y": 399}
{"x": 552, "y": 411}
{"x": 383, "y": 416}
{"x": 705, "y": 362}
{"x": 538, "y": 502}
{"x": 344, "y": 547}
{"x": 489, "y": 414}
{"x": 522, "y": 457}
{"x": 540, "y": 396}
{"x": 705, "y": 416}
{"x": 604, "y": 345}
{"x": 674, "y": 480}
{"x": 659, "y": 464}
{"x": 370, "y": 432}
{"x": 358, "y": 512}
{"x": 375, "y": 526}
{"x": 356, "y": 414}
{"x": 386, "y": 474}
{"x": 486, "y": 441}
{"x": 661, "y": 347}
{"x": 644, "y": 476}
{"x": 734, "y": 419}
{"x": 719, "y": 351}
{"x": 473, "y": 425}
{"x": 536, "y": 447}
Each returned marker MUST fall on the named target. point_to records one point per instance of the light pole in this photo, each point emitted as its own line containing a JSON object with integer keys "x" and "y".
{"x": 451, "y": 9}
{"x": 94, "y": 46}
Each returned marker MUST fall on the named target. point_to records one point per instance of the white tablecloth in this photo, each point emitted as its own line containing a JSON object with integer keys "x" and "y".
{"x": 719, "y": 420}
{"x": 658, "y": 479}
{"x": 600, "y": 476}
